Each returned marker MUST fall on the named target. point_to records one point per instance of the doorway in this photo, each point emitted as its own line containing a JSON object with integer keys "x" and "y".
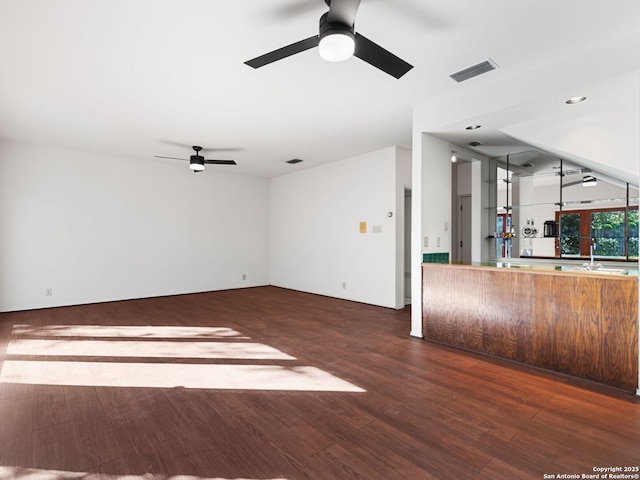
{"x": 407, "y": 246}
{"x": 464, "y": 228}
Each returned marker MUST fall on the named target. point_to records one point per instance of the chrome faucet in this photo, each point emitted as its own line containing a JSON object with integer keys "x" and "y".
{"x": 592, "y": 253}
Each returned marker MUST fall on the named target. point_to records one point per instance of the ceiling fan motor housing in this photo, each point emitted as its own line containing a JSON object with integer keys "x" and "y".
{"x": 330, "y": 28}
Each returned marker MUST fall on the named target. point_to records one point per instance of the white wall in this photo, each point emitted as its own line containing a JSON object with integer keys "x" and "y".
{"x": 316, "y": 244}
{"x": 436, "y": 195}
{"x": 604, "y": 137}
{"x": 430, "y": 210}
{"x": 96, "y": 228}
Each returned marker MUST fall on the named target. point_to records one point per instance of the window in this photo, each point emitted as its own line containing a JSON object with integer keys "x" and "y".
{"x": 570, "y": 234}
{"x": 615, "y": 231}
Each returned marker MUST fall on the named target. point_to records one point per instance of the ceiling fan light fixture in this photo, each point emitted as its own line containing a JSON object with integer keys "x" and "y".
{"x": 337, "y": 46}
{"x": 197, "y": 163}
{"x": 337, "y": 40}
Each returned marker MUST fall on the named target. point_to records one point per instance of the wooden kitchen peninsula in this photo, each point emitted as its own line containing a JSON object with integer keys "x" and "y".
{"x": 580, "y": 324}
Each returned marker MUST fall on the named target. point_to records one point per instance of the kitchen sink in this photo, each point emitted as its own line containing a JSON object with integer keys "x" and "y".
{"x": 603, "y": 271}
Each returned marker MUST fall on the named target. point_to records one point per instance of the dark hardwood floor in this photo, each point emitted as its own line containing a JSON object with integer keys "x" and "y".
{"x": 267, "y": 383}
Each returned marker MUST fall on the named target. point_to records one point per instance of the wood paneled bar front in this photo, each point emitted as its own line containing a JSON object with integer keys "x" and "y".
{"x": 579, "y": 324}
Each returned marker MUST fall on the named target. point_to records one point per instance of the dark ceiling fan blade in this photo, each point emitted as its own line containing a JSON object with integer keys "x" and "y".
{"x": 284, "y": 52}
{"x": 343, "y": 11}
{"x": 377, "y": 56}
{"x": 170, "y": 158}
{"x": 220, "y": 162}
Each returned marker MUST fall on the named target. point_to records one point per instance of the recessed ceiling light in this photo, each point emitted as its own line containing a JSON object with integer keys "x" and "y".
{"x": 574, "y": 100}
{"x": 473, "y": 127}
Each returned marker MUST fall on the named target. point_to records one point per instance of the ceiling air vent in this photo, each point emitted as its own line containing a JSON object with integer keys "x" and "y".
{"x": 474, "y": 71}
{"x": 293, "y": 161}
{"x": 475, "y": 143}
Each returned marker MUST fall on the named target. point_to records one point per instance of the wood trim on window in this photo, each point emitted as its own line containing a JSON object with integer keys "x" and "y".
{"x": 585, "y": 227}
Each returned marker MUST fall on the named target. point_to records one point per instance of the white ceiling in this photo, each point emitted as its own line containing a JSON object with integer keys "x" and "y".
{"x": 138, "y": 78}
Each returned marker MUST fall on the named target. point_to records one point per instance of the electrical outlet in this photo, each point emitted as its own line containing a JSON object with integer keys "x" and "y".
{"x": 437, "y": 241}
{"x": 48, "y": 292}
{"x": 426, "y": 242}
{"x": 244, "y": 276}
{"x": 344, "y": 285}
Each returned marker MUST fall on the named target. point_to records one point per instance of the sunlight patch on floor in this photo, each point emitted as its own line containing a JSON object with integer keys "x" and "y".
{"x": 39, "y": 474}
{"x": 149, "y": 349}
{"x": 143, "y": 331}
{"x": 63, "y": 357}
{"x": 170, "y": 375}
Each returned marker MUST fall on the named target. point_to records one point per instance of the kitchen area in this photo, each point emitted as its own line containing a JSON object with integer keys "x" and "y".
{"x": 557, "y": 288}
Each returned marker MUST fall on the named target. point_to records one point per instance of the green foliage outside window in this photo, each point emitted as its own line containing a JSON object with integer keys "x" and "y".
{"x": 607, "y": 220}
{"x": 607, "y": 227}
{"x": 570, "y": 234}
{"x": 632, "y": 240}
{"x": 608, "y": 230}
